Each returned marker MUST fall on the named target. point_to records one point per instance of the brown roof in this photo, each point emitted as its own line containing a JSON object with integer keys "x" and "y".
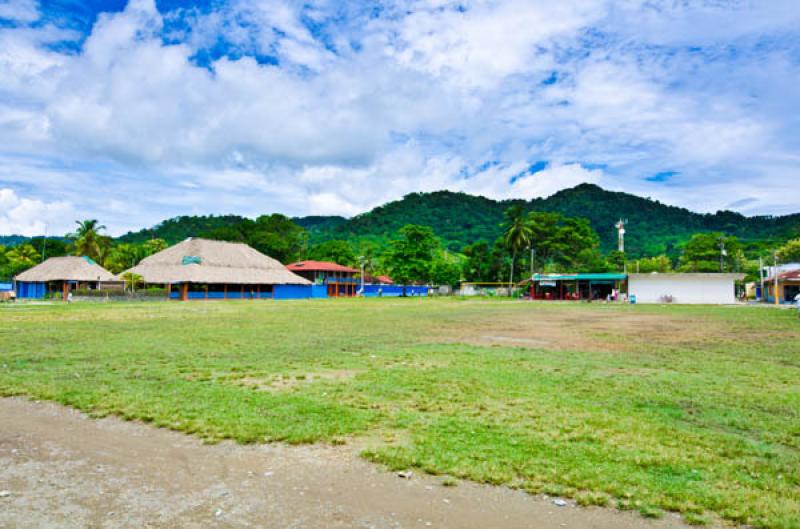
{"x": 792, "y": 275}
{"x": 69, "y": 268}
{"x": 216, "y": 262}
{"x": 320, "y": 266}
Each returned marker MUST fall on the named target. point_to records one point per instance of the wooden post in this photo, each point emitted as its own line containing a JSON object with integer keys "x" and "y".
{"x": 243, "y": 291}
{"x": 206, "y": 291}
{"x": 225, "y": 291}
{"x": 184, "y": 291}
{"x": 65, "y": 290}
{"x": 258, "y": 291}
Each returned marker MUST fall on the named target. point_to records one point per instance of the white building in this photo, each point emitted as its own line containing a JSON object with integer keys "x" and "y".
{"x": 708, "y": 289}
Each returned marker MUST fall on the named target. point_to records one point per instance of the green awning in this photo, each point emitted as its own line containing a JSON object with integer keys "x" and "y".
{"x": 579, "y": 277}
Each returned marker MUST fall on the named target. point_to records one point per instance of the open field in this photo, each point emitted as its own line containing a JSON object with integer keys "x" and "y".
{"x": 689, "y": 409}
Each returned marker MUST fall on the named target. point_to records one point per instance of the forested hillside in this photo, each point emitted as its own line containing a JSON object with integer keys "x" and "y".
{"x": 179, "y": 228}
{"x": 653, "y": 228}
{"x": 459, "y": 220}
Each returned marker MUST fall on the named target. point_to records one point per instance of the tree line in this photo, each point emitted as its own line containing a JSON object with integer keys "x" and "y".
{"x": 531, "y": 242}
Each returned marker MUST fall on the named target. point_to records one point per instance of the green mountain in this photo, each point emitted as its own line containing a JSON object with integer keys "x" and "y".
{"x": 653, "y": 228}
{"x": 13, "y": 240}
{"x": 460, "y": 219}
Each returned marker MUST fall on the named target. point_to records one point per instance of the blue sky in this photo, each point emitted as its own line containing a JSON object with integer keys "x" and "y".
{"x": 132, "y": 112}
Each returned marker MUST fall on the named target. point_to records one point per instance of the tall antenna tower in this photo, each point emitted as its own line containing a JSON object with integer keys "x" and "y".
{"x": 621, "y": 234}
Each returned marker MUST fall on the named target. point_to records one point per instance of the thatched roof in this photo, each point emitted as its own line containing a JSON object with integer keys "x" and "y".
{"x": 206, "y": 261}
{"x": 66, "y": 269}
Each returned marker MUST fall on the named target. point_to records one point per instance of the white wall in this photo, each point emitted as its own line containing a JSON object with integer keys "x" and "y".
{"x": 712, "y": 289}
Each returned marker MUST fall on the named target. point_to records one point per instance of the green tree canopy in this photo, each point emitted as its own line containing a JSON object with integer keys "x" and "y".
{"x": 337, "y": 250}
{"x": 563, "y": 243}
{"x": 20, "y": 258}
{"x": 89, "y": 241}
{"x": 484, "y": 263}
{"x": 711, "y": 252}
{"x": 661, "y": 264}
{"x": 410, "y": 256}
{"x": 274, "y": 235}
{"x": 445, "y": 272}
{"x": 790, "y": 252}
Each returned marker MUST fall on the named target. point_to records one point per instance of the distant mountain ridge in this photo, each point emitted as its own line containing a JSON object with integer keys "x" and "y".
{"x": 653, "y": 228}
{"x": 460, "y": 219}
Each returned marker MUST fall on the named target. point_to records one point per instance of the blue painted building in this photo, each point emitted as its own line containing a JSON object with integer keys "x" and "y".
{"x": 58, "y": 276}
{"x": 204, "y": 269}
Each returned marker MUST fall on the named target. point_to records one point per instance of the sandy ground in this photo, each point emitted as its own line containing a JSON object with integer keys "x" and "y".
{"x": 59, "y": 468}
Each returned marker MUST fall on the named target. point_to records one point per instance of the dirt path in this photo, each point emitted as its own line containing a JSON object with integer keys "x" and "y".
{"x": 63, "y": 469}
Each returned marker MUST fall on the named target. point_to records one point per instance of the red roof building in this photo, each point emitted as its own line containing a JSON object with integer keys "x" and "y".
{"x": 341, "y": 280}
{"x": 788, "y": 287}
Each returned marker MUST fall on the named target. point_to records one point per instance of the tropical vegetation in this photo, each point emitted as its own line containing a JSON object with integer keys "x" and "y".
{"x": 462, "y": 237}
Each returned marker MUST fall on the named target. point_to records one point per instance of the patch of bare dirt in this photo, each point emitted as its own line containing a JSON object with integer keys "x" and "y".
{"x": 282, "y": 383}
{"x": 61, "y": 469}
{"x": 565, "y": 328}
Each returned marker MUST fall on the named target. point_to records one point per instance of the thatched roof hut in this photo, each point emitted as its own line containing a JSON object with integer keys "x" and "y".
{"x": 205, "y": 261}
{"x": 69, "y": 268}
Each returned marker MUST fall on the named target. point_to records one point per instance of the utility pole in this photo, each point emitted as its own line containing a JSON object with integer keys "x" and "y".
{"x": 775, "y": 257}
{"x": 44, "y": 241}
{"x": 363, "y": 267}
{"x": 533, "y": 260}
{"x": 621, "y": 234}
{"x": 761, "y": 275}
{"x": 722, "y": 254}
{"x": 621, "y": 242}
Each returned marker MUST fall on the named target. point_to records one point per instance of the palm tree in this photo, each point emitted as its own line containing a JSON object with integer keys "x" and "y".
{"x": 22, "y": 257}
{"x": 89, "y": 241}
{"x": 517, "y": 236}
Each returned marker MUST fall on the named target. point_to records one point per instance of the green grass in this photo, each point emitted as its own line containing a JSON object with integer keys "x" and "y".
{"x": 688, "y": 409}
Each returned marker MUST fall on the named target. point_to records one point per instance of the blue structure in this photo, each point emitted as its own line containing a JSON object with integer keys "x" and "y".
{"x": 31, "y": 290}
{"x": 277, "y": 292}
{"x": 395, "y": 291}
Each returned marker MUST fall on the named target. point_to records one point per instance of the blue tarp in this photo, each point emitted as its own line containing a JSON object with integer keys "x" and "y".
{"x": 393, "y": 291}
{"x": 295, "y": 291}
{"x": 28, "y": 290}
{"x": 232, "y": 294}
{"x": 6, "y": 287}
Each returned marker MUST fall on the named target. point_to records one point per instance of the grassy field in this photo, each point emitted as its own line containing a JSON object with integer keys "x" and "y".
{"x": 689, "y": 409}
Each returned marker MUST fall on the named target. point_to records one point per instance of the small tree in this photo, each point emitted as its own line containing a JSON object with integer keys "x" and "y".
{"x": 132, "y": 281}
{"x": 517, "y": 235}
{"x": 410, "y": 256}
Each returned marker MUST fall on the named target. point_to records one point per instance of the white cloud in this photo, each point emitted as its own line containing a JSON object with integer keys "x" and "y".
{"x": 19, "y": 10}
{"x": 426, "y": 95}
{"x": 481, "y": 42}
{"x": 553, "y": 179}
{"x": 25, "y": 216}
